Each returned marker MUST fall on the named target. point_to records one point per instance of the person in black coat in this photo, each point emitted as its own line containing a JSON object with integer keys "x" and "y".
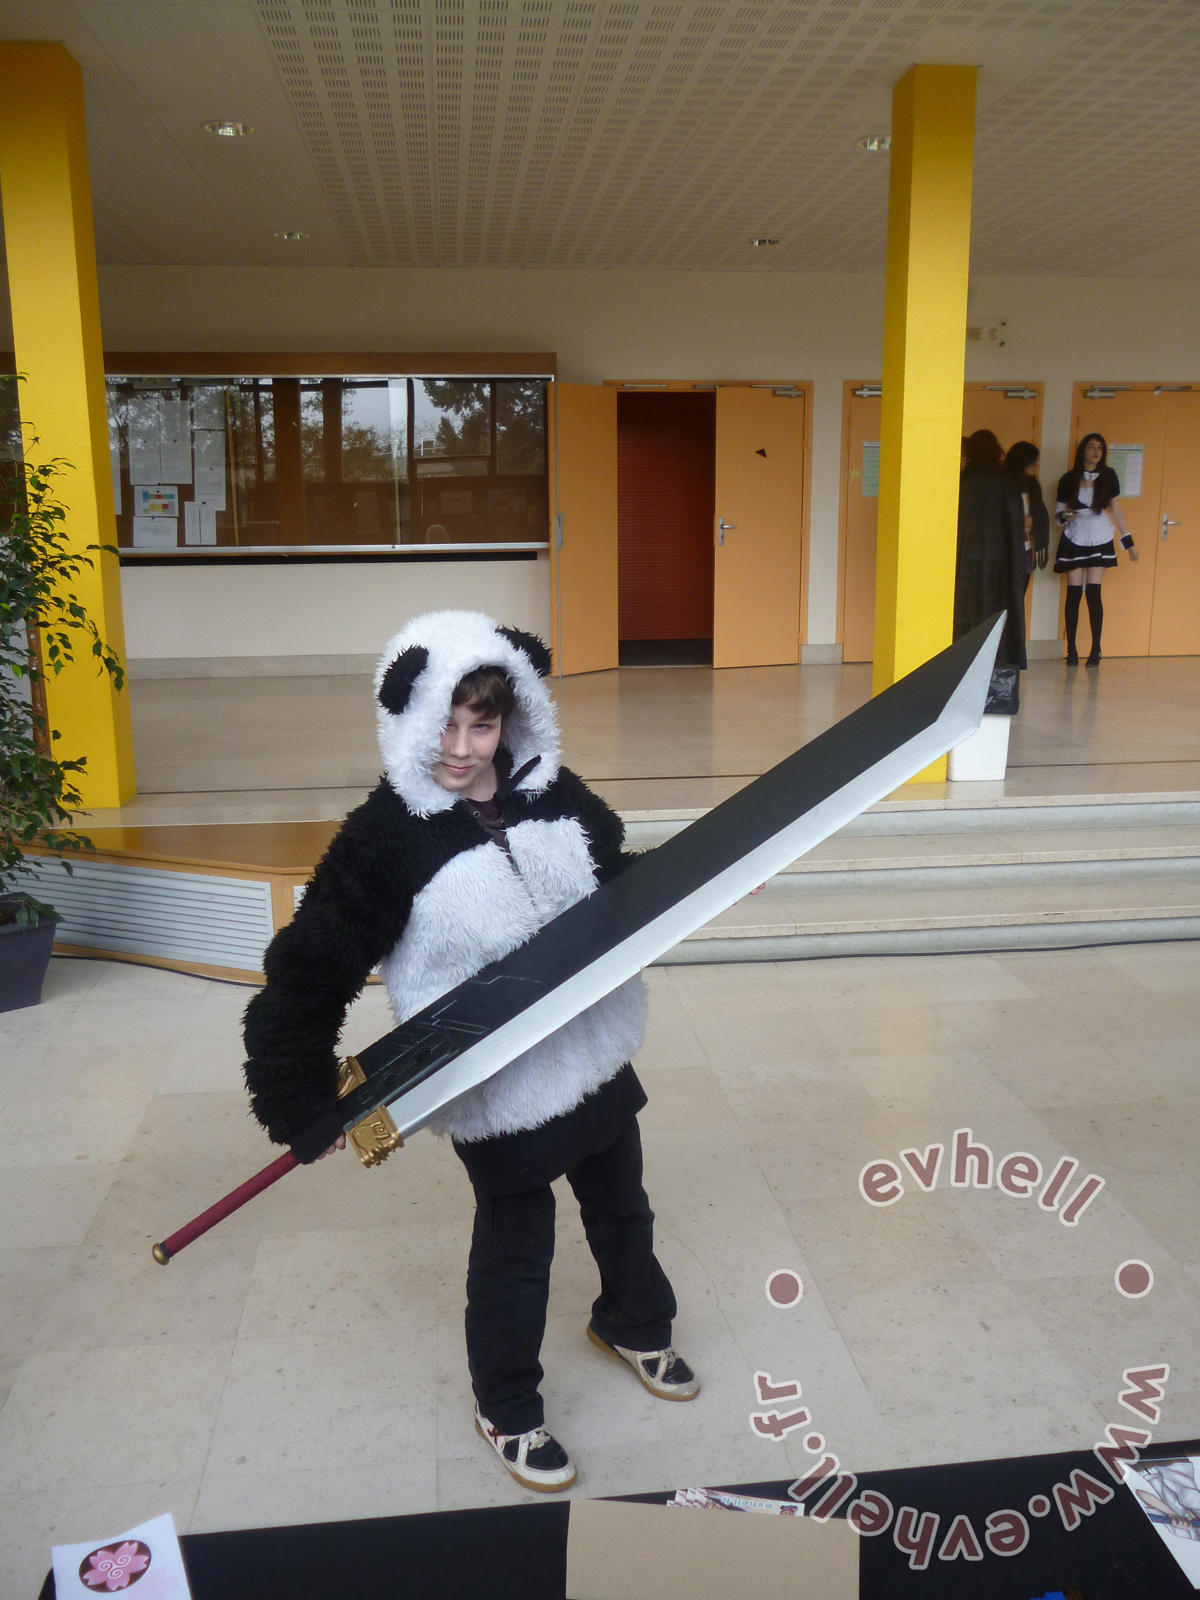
{"x": 1020, "y": 462}
{"x": 990, "y": 573}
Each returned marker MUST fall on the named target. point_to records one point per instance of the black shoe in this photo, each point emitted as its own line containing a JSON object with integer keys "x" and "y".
{"x": 1072, "y": 658}
{"x": 535, "y": 1459}
{"x": 1094, "y": 659}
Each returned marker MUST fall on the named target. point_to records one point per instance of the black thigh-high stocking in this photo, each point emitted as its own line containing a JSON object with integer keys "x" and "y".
{"x": 1095, "y": 607}
{"x": 1074, "y": 596}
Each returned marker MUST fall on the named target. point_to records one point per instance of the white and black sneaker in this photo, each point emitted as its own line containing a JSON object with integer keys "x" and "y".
{"x": 664, "y": 1372}
{"x": 535, "y": 1459}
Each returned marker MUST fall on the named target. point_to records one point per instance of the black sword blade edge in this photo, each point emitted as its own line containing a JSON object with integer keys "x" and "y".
{"x": 592, "y": 947}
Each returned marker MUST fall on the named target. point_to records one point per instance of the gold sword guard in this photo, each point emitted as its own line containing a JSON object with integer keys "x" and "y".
{"x": 375, "y": 1137}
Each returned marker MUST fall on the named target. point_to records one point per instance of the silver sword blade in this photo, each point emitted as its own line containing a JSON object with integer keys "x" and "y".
{"x": 961, "y": 716}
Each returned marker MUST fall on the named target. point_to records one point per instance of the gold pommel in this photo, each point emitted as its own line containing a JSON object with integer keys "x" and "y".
{"x": 375, "y": 1137}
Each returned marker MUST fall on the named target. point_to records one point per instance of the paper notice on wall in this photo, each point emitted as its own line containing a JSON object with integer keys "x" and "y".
{"x": 155, "y": 533}
{"x": 199, "y": 523}
{"x": 156, "y": 500}
{"x": 146, "y": 1560}
{"x": 1126, "y": 461}
{"x": 145, "y": 439}
{"x": 176, "y": 443}
{"x": 208, "y": 407}
{"x": 870, "y": 468}
{"x": 209, "y": 447}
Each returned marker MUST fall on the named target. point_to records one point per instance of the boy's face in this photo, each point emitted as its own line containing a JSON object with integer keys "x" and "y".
{"x": 469, "y": 742}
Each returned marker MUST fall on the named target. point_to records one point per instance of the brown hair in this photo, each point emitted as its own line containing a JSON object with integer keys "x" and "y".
{"x": 487, "y": 690}
{"x": 983, "y": 449}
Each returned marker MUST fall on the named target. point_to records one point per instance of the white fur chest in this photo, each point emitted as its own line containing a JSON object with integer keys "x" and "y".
{"x": 476, "y": 909}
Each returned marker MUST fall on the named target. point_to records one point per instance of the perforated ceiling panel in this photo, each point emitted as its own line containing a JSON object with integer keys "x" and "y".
{"x": 583, "y": 133}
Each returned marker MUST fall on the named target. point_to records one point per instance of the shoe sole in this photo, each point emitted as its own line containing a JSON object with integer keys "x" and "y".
{"x": 526, "y": 1483}
{"x": 659, "y": 1394}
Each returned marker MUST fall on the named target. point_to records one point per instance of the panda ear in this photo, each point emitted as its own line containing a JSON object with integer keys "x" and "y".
{"x": 529, "y": 644}
{"x": 400, "y": 677}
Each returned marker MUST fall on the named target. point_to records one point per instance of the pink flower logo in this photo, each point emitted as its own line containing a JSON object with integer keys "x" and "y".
{"x": 115, "y": 1567}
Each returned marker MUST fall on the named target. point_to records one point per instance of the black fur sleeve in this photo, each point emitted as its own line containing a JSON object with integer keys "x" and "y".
{"x": 604, "y": 828}
{"x": 351, "y": 915}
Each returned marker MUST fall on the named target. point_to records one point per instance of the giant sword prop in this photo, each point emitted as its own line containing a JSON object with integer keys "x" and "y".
{"x": 405, "y": 1079}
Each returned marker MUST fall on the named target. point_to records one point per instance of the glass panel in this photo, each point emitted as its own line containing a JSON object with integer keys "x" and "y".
{"x": 294, "y": 461}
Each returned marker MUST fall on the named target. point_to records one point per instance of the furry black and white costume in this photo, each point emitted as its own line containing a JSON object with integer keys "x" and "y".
{"x": 413, "y": 885}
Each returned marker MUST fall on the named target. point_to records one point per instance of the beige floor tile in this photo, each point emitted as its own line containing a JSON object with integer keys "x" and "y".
{"x": 851, "y": 1246}
{"x": 303, "y": 1402}
{"x": 48, "y": 1206}
{"x": 1167, "y": 1204}
{"x": 29, "y": 1282}
{"x": 153, "y": 1407}
{"x": 46, "y": 1131}
{"x": 962, "y": 979}
{"x": 682, "y": 1098}
{"x": 340, "y": 1281}
{"x": 118, "y": 1295}
{"x": 821, "y": 1156}
{"x": 34, "y": 1522}
{"x": 1100, "y": 1334}
{"x": 284, "y": 1499}
{"x": 1148, "y": 1135}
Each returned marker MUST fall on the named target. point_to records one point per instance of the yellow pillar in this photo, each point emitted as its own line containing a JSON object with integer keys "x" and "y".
{"x": 924, "y": 344}
{"x": 51, "y": 250}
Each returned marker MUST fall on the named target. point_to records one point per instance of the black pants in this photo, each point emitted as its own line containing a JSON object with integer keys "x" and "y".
{"x": 508, "y": 1278}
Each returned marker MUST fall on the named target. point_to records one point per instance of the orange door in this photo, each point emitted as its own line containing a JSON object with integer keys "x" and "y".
{"x": 583, "y": 534}
{"x": 860, "y": 498}
{"x": 1175, "y": 619}
{"x": 1012, "y": 411}
{"x": 1133, "y": 420}
{"x": 758, "y": 527}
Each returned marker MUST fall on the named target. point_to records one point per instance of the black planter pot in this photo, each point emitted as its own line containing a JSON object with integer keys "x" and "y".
{"x": 24, "y": 957}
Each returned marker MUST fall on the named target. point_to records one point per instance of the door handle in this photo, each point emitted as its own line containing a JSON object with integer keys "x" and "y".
{"x": 1168, "y": 522}
{"x": 724, "y": 527}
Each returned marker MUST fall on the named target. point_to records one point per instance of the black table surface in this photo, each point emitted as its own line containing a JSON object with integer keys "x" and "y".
{"x": 521, "y": 1551}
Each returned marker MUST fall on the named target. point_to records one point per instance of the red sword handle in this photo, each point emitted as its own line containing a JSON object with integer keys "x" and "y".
{"x": 224, "y": 1208}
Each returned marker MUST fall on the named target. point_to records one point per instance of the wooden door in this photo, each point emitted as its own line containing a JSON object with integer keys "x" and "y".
{"x": 860, "y": 502}
{"x": 1131, "y": 420}
{"x": 1175, "y": 618}
{"x": 758, "y": 527}
{"x": 583, "y": 531}
{"x": 1012, "y": 411}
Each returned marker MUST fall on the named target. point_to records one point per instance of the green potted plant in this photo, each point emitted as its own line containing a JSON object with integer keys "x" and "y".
{"x": 41, "y": 622}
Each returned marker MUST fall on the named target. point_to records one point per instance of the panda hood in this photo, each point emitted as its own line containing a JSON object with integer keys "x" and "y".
{"x": 414, "y": 683}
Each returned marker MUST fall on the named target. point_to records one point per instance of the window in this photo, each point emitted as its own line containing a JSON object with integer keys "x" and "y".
{"x": 332, "y": 462}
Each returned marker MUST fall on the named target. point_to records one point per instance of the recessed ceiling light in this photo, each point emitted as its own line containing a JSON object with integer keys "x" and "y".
{"x": 761, "y": 244}
{"x": 224, "y": 129}
{"x": 876, "y": 141}
{"x": 290, "y": 234}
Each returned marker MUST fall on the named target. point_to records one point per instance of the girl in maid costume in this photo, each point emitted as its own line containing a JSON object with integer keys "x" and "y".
{"x": 1088, "y": 506}
{"x": 475, "y": 837}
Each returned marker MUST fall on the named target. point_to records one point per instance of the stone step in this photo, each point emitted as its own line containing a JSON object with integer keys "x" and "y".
{"x": 911, "y": 879}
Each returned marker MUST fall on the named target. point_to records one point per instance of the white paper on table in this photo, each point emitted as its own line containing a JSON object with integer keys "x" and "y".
{"x": 1168, "y": 1491}
{"x": 146, "y": 1563}
{"x": 156, "y": 500}
{"x": 155, "y": 533}
{"x": 176, "y": 445}
{"x": 208, "y": 407}
{"x": 210, "y": 466}
{"x": 199, "y": 522}
{"x": 1126, "y": 461}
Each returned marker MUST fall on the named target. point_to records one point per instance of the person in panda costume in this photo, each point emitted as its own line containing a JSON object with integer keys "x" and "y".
{"x": 475, "y": 837}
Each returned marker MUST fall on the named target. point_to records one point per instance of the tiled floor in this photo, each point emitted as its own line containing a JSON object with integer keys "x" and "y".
{"x": 295, "y": 749}
{"x": 306, "y": 1362}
